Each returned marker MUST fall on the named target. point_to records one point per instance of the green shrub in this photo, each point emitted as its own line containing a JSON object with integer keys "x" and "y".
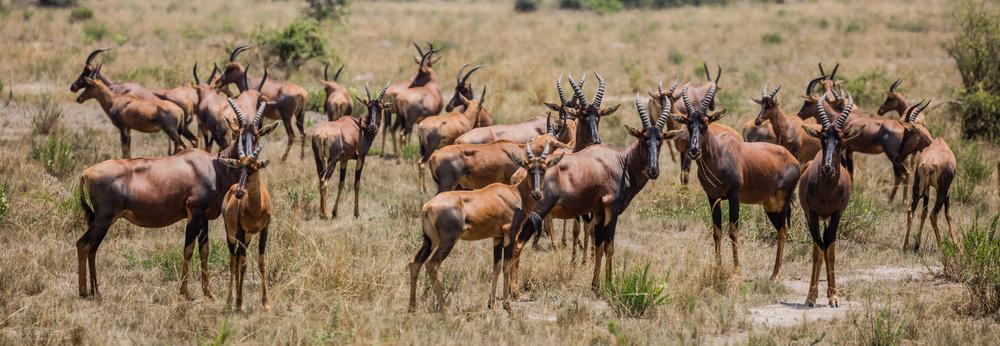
{"x": 605, "y": 6}
{"x": 860, "y": 217}
{"x": 94, "y": 31}
{"x": 294, "y": 45}
{"x": 169, "y": 261}
{"x": 868, "y": 88}
{"x": 884, "y": 327}
{"x": 4, "y": 198}
{"x": 45, "y": 118}
{"x": 317, "y": 99}
{"x": 633, "y": 292}
{"x": 980, "y": 113}
{"x": 80, "y": 14}
{"x": 57, "y": 3}
{"x": 571, "y": 4}
{"x": 973, "y": 169}
{"x": 526, "y": 5}
{"x": 772, "y": 38}
{"x": 58, "y": 153}
{"x": 326, "y": 9}
{"x": 975, "y": 261}
{"x": 976, "y": 50}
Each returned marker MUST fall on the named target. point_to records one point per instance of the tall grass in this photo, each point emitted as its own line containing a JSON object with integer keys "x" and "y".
{"x": 45, "y": 117}
{"x": 973, "y": 170}
{"x": 975, "y": 261}
{"x": 633, "y": 292}
{"x": 4, "y": 199}
{"x": 882, "y": 327}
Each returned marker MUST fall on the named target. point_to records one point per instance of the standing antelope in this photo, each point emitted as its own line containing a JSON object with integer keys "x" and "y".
{"x": 338, "y": 98}
{"x": 698, "y": 94}
{"x": 490, "y": 212}
{"x": 437, "y": 131}
{"x": 215, "y": 118}
{"x": 246, "y": 210}
{"x": 788, "y": 130}
{"x": 344, "y": 139}
{"x": 284, "y": 100}
{"x": 825, "y": 188}
{"x": 520, "y": 132}
{"x": 420, "y": 99}
{"x": 395, "y": 88}
{"x": 936, "y": 169}
{"x": 602, "y": 181}
{"x": 128, "y": 113}
{"x": 739, "y": 172}
{"x": 160, "y": 191}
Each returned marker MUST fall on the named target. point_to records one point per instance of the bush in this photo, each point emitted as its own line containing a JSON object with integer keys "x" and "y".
{"x": 326, "y": 9}
{"x": 94, "y": 31}
{"x": 976, "y": 50}
{"x": 605, "y": 6}
{"x": 634, "y": 291}
{"x": 868, "y": 88}
{"x": 772, "y": 38}
{"x": 45, "y": 118}
{"x": 860, "y": 217}
{"x": 884, "y": 327}
{"x": 57, "y": 3}
{"x": 57, "y": 153}
{"x": 526, "y": 5}
{"x": 301, "y": 41}
{"x": 976, "y": 263}
{"x": 571, "y": 4}
{"x": 80, "y": 14}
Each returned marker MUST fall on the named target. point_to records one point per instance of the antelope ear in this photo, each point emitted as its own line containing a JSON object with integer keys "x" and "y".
{"x": 679, "y": 118}
{"x": 610, "y": 110}
{"x": 853, "y": 133}
{"x": 672, "y": 134}
{"x": 632, "y": 131}
{"x": 553, "y": 107}
{"x": 264, "y": 131}
{"x": 555, "y": 160}
{"x": 231, "y": 163}
{"x": 717, "y": 115}
{"x": 517, "y": 159}
{"x": 756, "y": 100}
{"x": 263, "y": 164}
{"x": 810, "y": 131}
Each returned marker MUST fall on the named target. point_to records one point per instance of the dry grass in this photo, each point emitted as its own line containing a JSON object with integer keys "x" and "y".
{"x": 344, "y": 281}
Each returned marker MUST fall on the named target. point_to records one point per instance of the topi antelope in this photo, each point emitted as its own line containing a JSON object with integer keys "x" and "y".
{"x": 344, "y": 139}
{"x": 654, "y": 103}
{"x": 338, "y": 98}
{"x": 395, "y": 88}
{"x": 285, "y": 100}
{"x": 463, "y": 89}
{"x": 739, "y": 172}
{"x": 160, "y": 191}
{"x": 420, "y": 99}
{"x": 602, "y": 182}
{"x": 215, "y": 118}
{"x": 562, "y": 129}
{"x": 937, "y": 169}
{"x": 246, "y": 210}
{"x": 788, "y": 130}
{"x": 698, "y": 94}
{"x": 490, "y": 212}
{"x": 437, "y": 131}
{"x": 128, "y": 112}
{"x": 825, "y": 188}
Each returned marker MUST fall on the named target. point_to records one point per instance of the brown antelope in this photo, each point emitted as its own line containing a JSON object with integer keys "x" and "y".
{"x": 697, "y": 94}
{"x": 739, "y": 172}
{"x": 160, "y": 191}
{"x": 825, "y": 188}
{"x": 437, "y": 131}
{"x": 215, "y": 118}
{"x": 285, "y": 100}
{"x": 937, "y": 169}
{"x": 338, "y": 98}
{"x": 128, "y": 112}
{"x": 520, "y": 132}
{"x": 420, "y": 99}
{"x": 602, "y": 182}
{"x": 246, "y": 210}
{"x": 184, "y": 97}
{"x": 787, "y": 130}
{"x": 395, "y": 88}
{"x": 490, "y": 212}
{"x": 463, "y": 89}
{"x": 342, "y": 140}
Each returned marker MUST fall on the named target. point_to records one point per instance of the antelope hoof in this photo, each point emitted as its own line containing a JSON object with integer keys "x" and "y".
{"x": 833, "y": 302}
{"x": 810, "y": 303}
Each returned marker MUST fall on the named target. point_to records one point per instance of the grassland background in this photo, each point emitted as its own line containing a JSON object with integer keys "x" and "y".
{"x": 344, "y": 281}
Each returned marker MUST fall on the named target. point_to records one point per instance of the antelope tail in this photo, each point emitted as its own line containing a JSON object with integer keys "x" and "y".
{"x": 88, "y": 211}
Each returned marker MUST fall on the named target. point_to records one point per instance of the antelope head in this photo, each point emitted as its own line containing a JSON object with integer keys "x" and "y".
{"x": 587, "y": 114}
{"x": 329, "y": 84}
{"x": 371, "y": 122}
{"x": 651, "y": 136}
{"x": 233, "y": 71}
{"x": 248, "y": 144}
{"x": 830, "y": 82}
{"x": 669, "y": 93}
{"x": 832, "y": 136}
{"x": 427, "y": 59}
{"x": 204, "y": 87}
{"x": 91, "y": 85}
{"x": 698, "y": 120}
{"x": 536, "y": 166}
{"x": 915, "y": 138}
{"x": 463, "y": 89}
{"x": 811, "y": 99}
{"x": 768, "y": 102}
{"x": 89, "y": 70}
{"x": 893, "y": 99}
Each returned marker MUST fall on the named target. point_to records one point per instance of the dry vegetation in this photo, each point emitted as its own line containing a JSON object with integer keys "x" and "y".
{"x": 345, "y": 281}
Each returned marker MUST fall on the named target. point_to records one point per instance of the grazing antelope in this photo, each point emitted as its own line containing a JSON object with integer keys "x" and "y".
{"x": 160, "y": 191}
{"x": 490, "y": 212}
{"x": 215, "y": 118}
{"x": 739, "y": 172}
{"x": 825, "y": 188}
{"x": 344, "y": 139}
{"x": 128, "y": 113}
{"x": 246, "y": 209}
{"x": 284, "y": 100}
{"x": 420, "y": 99}
{"x": 602, "y": 182}
{"x": 437, "y": 131}
{"x": 338, "y": 98}
{"x": 937, "y": 169}
{"x": 787, "y": 130}
{"x": 184, "y": 97}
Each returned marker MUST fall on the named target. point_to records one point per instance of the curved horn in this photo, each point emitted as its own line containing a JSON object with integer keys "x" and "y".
{"x": 578, "y": 91}
{"x": 892, "y": 88}
{"x": 215, "y": 70}
{"x": 775, "y": 92}
{"x": 913, "y": 116}
{"x": 659, "y": 87}
{"x": 709, "y": 98}
{"x": 562, "y": 92}
{"x": 665, "y": 107}
{"x": 548, "y": 122}
{"x": 812, "y": 84}
{"x": 763, "y": 93}
{"x": 93, "y": 55}
{"x": 419, "y": 50}
{"x": 643, "y": 113}
{"x": 845, "y": 113}
{"x": 466, "y": 78}
{"x": 545, "y": 151}
{"x": 368, "y": 92}
{"x": 381, "y": 94}
{"x": 458, "y": 79}
{"x": 326, "y": 68}
{"x": 821, "y": 72}
{"x": 527, "y": 150}
{"x": 673, "y": 86}
{"x": 336, "y": 75}
{"x": 246, "y": 77}
{"x": 824, "y": 119}
{"x": 97, "y": 71}
{"x": 236, "y": 51}
{"x": 833, "y": 74}
{"x": 260, "y": 87}
{"x": 260, "y": 112}
{"x": 718, "y": 73}
{"x": 600, "y": 92}
{"x": 687, "y": 102}
{"x": 194, "y": 71}
{"x": 239, "y": 145}
{"x": 708, "y": 76}
{"x": 260, "y": 147}
{"x": 239, "y": 115}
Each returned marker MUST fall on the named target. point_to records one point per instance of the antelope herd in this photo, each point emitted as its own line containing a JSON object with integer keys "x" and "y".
{"x": 504, "y": 182}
